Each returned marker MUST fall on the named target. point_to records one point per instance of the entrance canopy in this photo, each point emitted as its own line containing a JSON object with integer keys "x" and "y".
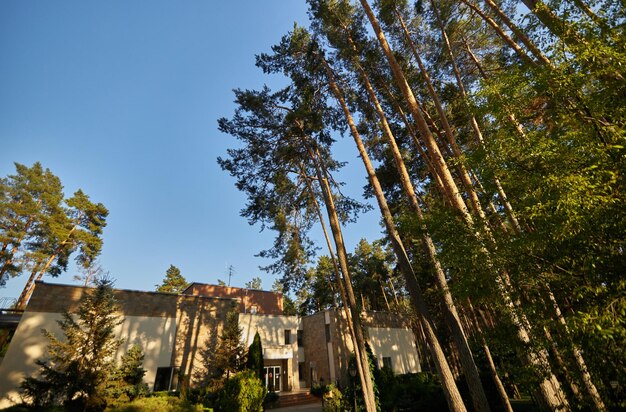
{"x": 278, "y": 352}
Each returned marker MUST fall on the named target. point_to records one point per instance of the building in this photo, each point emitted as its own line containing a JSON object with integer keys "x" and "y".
{"x": 174, "y": 330}
{"x": 250, "y": 300}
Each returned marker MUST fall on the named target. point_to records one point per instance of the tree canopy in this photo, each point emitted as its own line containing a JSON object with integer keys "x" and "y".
{"x": 494, "y": 141}
{"x": 174, "y": 281}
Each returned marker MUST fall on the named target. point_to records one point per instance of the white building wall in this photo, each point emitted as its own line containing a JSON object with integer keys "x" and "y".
{"x": 397, "y": 344}
{"x": 155, "y": 335}
{"x": 271, "y": 329}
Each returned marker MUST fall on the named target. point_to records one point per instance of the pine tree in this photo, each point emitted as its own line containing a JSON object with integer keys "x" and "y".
{"x": 30, "y": 201}
{"x": 79, "y": 366}
{"x": 76, "y": 228}
{"x": 255, "y": 283}
{"x": 173, "y": 282}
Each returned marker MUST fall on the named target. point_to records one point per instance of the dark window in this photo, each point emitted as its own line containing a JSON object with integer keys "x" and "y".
{"x": 327, "y": 330}
{"x": 301, "y": 371}
{"x": 300, "y": 338}
{"x": 287, "y": 337}
{"x": 166, "y": 379}
{"x": 387, "y": 362}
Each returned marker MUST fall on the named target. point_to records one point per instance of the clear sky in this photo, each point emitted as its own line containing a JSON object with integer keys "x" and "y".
{"x": 121, "y": 98}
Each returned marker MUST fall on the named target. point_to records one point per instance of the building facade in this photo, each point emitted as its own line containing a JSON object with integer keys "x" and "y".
{"x": 175, "y": 332}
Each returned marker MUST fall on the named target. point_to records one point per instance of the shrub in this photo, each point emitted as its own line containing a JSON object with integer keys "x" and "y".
{"x": 202, "y": 395}
{"x": 271, "y": 399}
{"x": 420, "y": 391}
{"x": 157, "y": 404}
{"x": 332, "y": 399}
{"x": 318, "y": 390}
{"x": 243, "y": 392}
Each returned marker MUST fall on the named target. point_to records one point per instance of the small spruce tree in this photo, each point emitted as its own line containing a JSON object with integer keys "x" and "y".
{"x": 128, "y": 381}
{"x": 229, "y": 354}
{"x": 79, "y": 367}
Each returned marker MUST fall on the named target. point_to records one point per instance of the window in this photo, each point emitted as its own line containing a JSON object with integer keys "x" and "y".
{"x": 327, "y": 330}
{"x": 300, "y": 338}
{"x": 301, "y": 371}
{"x": 254, "y": 309}
{"x": 287, "y": 337}
{"x": 166, "y": 379}
{"x": 387, "y": 362}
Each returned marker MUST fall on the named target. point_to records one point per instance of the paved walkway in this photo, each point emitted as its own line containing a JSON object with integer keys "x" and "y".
{"x": 310, "y": 407}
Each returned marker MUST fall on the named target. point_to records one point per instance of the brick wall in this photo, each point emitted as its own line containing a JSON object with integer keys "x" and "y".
{"x": 267, "y": 303}
{"x": 53, "y": 298}
{"x": 315, "y": 349}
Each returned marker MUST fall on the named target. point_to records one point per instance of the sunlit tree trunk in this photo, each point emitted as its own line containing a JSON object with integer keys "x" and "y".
{"x": 504, "y": 398}
{"x": 501, "y": 33}
{"x": 530, "y": 45}
{"x": 342, "y": 257}
{"x": 455, "y": 402}
{"x": 338, "y": 275}
{"x": 465, "y": 354}
{"x": 473, "y": 122}
{"x": 549, "y": 387}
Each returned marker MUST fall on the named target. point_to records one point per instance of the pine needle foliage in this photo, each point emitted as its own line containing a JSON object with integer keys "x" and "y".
{"x": 77, "y": 368}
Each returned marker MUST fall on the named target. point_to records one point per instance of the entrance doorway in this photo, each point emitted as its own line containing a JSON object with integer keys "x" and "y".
{"x": 272, "y": 378}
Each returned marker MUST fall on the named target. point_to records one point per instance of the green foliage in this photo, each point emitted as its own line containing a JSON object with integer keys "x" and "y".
{"x": 30, "y": 201}
{"x": 79, "y": 367}
{"x": 354, "y": 383}
{"x": 255, "y": 283}
{"x": 127, "y": 382}
{"x": 321, "y": 288}
{"x": 255, "y": 356}
{"x": 40, "y": 230}
{"x": 228, "y": 356}
{"x": 173, "y": 282}
{"x": 157, "y": 404}
{"x": 243, "y": 392}
{"x": 371, "y": 269}
{"x": 541, "y": 130}
{"x": 271, "y": 399}
{"x": 332, "y": 399}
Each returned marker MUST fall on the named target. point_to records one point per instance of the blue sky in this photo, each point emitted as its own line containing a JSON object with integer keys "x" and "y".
{"x": 121, "y": 99}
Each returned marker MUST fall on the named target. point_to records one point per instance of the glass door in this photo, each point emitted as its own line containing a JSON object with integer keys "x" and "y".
{"x": 272, "y": 378}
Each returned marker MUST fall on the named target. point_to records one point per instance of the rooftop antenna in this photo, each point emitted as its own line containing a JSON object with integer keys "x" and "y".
{"x": 231, "y": 272}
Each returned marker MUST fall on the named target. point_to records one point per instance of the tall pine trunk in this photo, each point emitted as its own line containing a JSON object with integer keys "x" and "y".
{"x": 550, "y": 388}
{"x": 340, "y": 284}
{"x": 468, "y": 365}
{"x": 453, "y": 397}
{"x": 342, "y": 257}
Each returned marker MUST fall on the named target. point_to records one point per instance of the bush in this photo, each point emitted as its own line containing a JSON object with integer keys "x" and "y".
{"x": 202, "y": 395}
{"x": 243, "y": 392}
{"x": 270, "y": 399}
{"x": 419, "y": 391}
{"x": 318, "y": 390}
{"x": 157, "y": 404}
{"x": 332, "y": 399}
{"x": 27, "y": 408}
